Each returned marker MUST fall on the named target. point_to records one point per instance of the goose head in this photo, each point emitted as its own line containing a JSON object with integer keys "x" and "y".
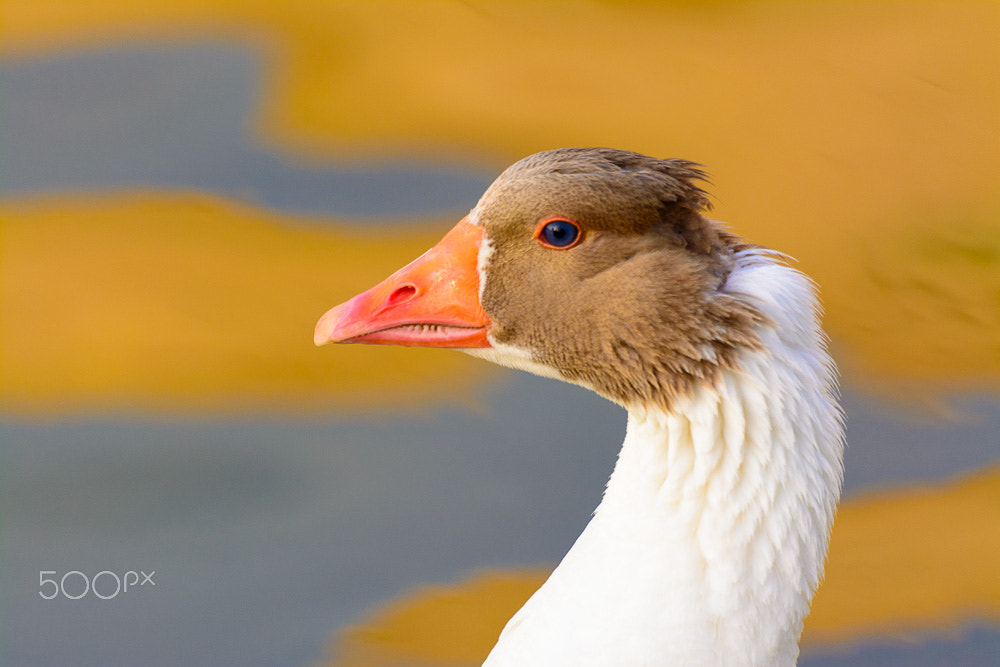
{"x": 596, "y": 266}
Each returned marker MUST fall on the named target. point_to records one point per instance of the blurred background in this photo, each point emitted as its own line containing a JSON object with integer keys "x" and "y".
{"x": 186, "y": 186}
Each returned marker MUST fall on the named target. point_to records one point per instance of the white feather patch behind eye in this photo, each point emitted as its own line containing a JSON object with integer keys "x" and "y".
{"x": 509, "y": 356}
{"x": 483, "y": 262}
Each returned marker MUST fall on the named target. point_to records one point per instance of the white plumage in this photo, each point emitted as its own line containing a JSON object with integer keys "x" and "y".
{"x": 710, "y": 540}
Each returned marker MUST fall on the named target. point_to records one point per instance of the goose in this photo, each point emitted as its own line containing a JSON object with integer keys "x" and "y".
{"x": 599, "y": 267}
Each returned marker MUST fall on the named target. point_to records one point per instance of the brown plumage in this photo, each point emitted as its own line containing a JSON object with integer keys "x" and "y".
{"x": 636, "y": 310}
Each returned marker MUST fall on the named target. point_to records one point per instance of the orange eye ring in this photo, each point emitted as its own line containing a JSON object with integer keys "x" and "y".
{"x": 558, "y": 233}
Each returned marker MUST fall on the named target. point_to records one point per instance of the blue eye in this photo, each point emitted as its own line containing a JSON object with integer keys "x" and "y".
{"x": 558, "y": 233}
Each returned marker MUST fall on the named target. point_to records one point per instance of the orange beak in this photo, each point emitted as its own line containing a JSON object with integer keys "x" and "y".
{"x": 431, "y": 302}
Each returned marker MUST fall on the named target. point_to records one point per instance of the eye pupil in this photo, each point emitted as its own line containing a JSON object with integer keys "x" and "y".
{"x": 560, "y": 233}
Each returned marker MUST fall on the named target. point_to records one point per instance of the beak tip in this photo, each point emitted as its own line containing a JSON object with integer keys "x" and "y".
{"x": 323, "y": 333}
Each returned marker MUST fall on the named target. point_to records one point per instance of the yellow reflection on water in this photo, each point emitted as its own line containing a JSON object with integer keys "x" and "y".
{"x": 186, "y": 302}
{"x": 916, "y": 560}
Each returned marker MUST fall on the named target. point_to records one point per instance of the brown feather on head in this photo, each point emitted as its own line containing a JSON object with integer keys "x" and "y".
{"x": 635, "y": 310}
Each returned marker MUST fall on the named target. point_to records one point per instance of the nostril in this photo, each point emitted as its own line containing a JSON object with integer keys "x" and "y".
{"x": 401, "y": 294}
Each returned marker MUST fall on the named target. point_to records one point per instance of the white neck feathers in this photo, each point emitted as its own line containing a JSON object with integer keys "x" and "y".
{"x": 710, "y": 540}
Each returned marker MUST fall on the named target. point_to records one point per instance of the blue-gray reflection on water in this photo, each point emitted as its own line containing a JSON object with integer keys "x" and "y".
{"x": 180, "y": 117}
{"x": 977, "y": 647}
